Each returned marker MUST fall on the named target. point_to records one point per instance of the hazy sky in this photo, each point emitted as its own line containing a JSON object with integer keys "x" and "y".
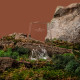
{"x": 16, "y": 15}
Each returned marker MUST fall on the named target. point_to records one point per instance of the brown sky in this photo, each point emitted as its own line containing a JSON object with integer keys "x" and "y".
{"x": 16, "y": 15}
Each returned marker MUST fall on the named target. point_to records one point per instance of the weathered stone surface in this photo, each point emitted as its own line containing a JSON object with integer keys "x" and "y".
{"x": 66, "y": 24}
{"x": 50, "y": 49}
{"x": 6, "y": 62}
{"x": 6, "y": 44}
{"x": 31, "y": 44}
{"x": 19, "y": 35}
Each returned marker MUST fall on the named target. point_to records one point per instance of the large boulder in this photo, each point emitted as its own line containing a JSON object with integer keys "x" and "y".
{"x": 66, "y": 24}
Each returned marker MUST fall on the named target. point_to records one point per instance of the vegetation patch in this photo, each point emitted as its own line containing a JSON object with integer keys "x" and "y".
{"x": 59, "y": 67}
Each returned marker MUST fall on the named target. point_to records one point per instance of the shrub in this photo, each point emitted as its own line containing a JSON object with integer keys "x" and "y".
{"x": 19, "y": 53}
{"x": 76, "y": 51}
{"x": 21, "y": 50}
{"x": 72, "y": 66}
{"x": 68, "y": 57}
{"x": 15, "y": 55}
{"x": 60, "y": 61}
{"x": 59, "y": 43}
{"x": 57, "y": 61}
{"x": 47, "y": 40}
{"x": 6, "y": 54}
{"x": 9, "y": 53}
{"x": 77, "y": 71}
{"x": 53, "y": 75}
{"x": 76, "y": 46}
{"x": 1, "y": 53}
{"x": 19, "y": 75}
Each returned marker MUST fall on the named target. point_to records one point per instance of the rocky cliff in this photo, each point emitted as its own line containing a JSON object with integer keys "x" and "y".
{"x": 66, "y": 23}
{"x": 21, "y": 40}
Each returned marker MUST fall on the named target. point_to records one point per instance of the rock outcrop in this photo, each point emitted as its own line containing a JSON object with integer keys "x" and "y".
{"x": 66, "y": 24}
{"x": 51, "y": 50}
{"x": 19, "y": 35}
{"x": 10, "y": 42}
{"x": 6, "y": 62}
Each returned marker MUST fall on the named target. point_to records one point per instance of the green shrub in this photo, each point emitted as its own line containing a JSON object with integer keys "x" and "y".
{"x": 15, "y": 55}
{"x": 76, "y": 46}
{"x": 68, "y": 57}
{"x": 31, "y": 74}
{"x": 6, "y": 54}
{"x": 77, "y": 71}
{"x": 72, "y": 66}
{"x": 19, "y": 53}
{"x": 76, "y": 51}
{"x": 60, "y": 60}
{"x": 1, "y": 53}
{"x": 9, "y": 53}
{"x": 21, "y": 50}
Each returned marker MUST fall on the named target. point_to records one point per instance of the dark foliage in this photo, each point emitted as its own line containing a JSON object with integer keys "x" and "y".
{"x": 21, "y": 50}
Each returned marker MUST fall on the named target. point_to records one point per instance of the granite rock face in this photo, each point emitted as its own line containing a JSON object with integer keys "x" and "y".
{"x": 66, "y": 24}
